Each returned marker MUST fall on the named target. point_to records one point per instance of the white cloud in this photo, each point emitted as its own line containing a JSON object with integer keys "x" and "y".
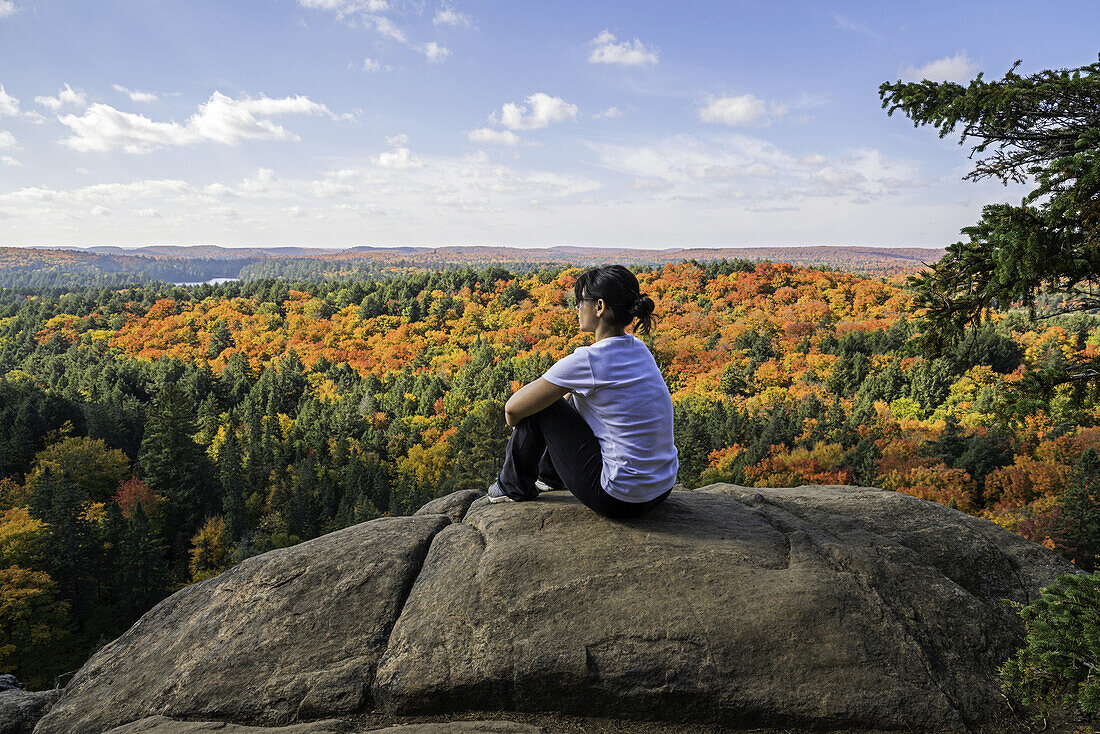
{"x": 398, "y": 182}
{"x": 226, "y": 120}
{"x": 496, "y": 137}
{"x": 434, "y": 52}
{"x": 370, "y": 14}
{"x": 684, "y": 160}
{"x": 9, "y": 105}
{"x": 810, "y": 101}
{"x": 403, "y": 182}
{"x": 47, "y": 200}
{"x": 846, "y": 23}
{"x": 745, "y": 109}
{"x": 220, "y": 119}
{"x": 395, "y": 140}
{"x": 347, "y": 7}
{"x": 449, "y": 16}
{"x": 65, "y": 97}
{"x": 361, "y": 12}
{"x": 541, "y": 109}
{"x": 102, "y": 127}
{"x": 685, "y": 168}
{"x": 7, "y": 8}
{"x": 386, "y": 27}
{"x": 609, "y": 113}
{"x": 452, "y": 200}
{"x": 863, "y": 175}
{"x": 7, "y": 140}
{"x": 399, "y": 158}
{"x": 7, "y": 160}
{"x": 607, "y": 51}
{"x": 134, "y": 94}
{"x": 957, "y": 68}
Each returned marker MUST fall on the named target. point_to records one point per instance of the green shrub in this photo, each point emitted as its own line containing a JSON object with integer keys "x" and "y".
{"x": 1060, "y": 660}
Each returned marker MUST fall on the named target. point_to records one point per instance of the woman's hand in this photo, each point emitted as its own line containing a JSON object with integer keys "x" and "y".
{"x": 530, "y": 399}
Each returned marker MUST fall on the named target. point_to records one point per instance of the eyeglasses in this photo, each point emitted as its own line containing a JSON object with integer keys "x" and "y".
{"x": 575, "y": 303}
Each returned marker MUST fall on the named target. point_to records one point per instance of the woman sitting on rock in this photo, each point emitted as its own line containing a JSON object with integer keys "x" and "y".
{"x": 611, "y": 444}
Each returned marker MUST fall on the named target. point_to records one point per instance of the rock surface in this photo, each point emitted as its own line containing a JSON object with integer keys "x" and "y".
{"x": 815, "y": 607}
{"x": 165, "y": 725}
{"x": 462, "y": 727}
{"x": 292, "y": 634}
{"x": 453, "y": 505}
{"x": 20, "y": 710}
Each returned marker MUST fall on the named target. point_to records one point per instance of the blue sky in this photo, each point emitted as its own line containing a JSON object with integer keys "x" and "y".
{"x": 338, "y": 123}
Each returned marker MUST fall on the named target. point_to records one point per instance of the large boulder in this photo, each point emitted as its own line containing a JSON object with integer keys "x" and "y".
{"x": 20, "y": 710}
{"x": 816, "y": 607}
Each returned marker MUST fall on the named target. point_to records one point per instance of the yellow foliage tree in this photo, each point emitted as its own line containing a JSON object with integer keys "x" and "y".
{"x": 210, "y": 550}
{"x": 88, "y": 462}
{"x": 22, "y": 538}
{"x": 34, "y": 624}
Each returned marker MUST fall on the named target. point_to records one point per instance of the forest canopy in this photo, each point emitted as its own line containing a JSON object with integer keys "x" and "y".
{"x": 152, "y": 436}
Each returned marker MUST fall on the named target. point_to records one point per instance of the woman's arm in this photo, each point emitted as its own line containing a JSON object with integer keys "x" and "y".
{"x": 530, "y": 399}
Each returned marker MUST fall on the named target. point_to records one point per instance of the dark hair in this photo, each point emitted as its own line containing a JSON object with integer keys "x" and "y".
{"x": 619, "y": 289}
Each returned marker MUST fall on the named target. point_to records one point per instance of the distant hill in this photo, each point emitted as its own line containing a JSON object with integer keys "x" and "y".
{"x": 33, "y": 266}
{"x": 176, "y": 263}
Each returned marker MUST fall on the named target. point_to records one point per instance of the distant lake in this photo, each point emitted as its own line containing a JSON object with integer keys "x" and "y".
{"x": 212, "y": 281}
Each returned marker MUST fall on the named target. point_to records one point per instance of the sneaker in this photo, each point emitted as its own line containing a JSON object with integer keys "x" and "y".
{"x": 496, "y": 494}
{"x": 543, "y": 486}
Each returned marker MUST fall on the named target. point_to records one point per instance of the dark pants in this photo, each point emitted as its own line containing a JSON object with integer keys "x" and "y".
{"x": 557, "y": 446}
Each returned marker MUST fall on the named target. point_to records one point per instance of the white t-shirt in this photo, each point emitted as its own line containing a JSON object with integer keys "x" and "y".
{"x": 620, "y": 393}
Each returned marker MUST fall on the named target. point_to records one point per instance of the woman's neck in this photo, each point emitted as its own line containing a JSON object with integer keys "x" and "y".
{"x": 605, "y": 330}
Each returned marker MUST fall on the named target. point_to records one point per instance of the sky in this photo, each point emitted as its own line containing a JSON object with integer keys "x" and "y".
{"x": 340, "y": 123}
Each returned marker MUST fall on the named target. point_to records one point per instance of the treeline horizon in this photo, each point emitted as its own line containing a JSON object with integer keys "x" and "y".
{"x": 118, "y": 267}
{"x": 151, "y": 436}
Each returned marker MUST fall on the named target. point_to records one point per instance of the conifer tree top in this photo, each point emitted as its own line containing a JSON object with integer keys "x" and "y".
{"x": 1042, "y": 129}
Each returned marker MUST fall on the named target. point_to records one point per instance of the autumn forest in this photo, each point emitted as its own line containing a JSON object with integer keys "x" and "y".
{"x": 152, "y": 435}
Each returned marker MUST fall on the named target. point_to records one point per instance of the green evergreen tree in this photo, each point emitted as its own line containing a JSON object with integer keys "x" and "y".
{"x": 236, "y": 379}
{"x": 863, "y": 460}
{"x": 985, "y": 451}
{"x": 234, "y": 490}
{"x": 290, "y": 383}
{"x": 513, "y": 295}
{"x": 930, "y": 383}
{"x": 71, "y": 546}
{"x": 949, "y": 446}
{"x": 112, "y": 532}
{"x": 477, "y": 447}
{"x": 220, "y": 340}
{"x": 174, "y": 466}
{"x": 142, "y": 576}
{"x": 848, "y": 374}
{"x": 1081, "y": 510}
{"x": 1045, "y": 128}
{"x": 1061, "y": 655}
{"x": 208, "y": 420}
